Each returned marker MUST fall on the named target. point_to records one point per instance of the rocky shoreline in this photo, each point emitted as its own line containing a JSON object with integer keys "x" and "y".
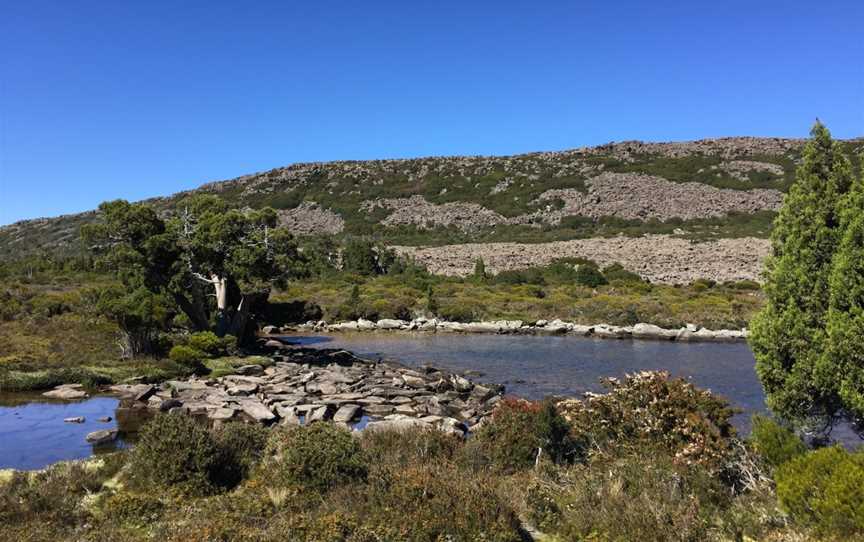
{"x": 641, "y": 331}
{"x": 294, "y": 386}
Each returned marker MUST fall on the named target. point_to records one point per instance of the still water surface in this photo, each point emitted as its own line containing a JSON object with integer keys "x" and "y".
{"x": 538, "y": 366}
{"x": 33, "y": 434}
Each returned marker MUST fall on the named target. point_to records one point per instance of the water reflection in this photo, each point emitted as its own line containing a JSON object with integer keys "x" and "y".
{"x": 538, "y": 366}
{"x": 33, "y": 433}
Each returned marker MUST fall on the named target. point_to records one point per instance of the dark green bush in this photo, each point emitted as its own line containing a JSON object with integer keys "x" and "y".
{"x": 317, "y": 457}
{"x": 210, "y": 344}
{"x": 187, "y": 356}
{"x": 775, "y": 443}
{"x": 364, "y": 257}
{"x": 531, "y": 275}
{"x": 824, "y": 489}
{"x": 617, "y": 273}
{"x": 175, "y": 451}
{"x": 241, "y": 446}
{"x": 700, "y": 285}
{"x": 590, "y": 276}
{"x": 746, "y": 285}
{"x": 522, "y": 432}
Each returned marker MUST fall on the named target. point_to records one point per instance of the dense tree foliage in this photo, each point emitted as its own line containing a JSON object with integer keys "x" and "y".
{"x": 811, "y": 370}
{"x": 207, "y": 252}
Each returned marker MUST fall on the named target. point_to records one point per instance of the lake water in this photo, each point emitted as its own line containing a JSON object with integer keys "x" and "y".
{"x": 33, "y": 433}
{"x": 535, "y": 367}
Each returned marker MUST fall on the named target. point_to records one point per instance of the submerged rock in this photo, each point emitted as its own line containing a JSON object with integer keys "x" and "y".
{"x": 103, "y": 436}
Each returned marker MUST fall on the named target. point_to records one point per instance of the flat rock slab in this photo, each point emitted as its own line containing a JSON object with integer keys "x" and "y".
{"x": 346, "y": 413}
{"x": 221, "y": 413}
{"x": 257, "y": 411}
{"x": 184, "y": 385}
{"x": 242, "y": 389}
{"x": 102, "y": 436}
{"x": 66, "y": 393}
{"x": 319, "y": 414}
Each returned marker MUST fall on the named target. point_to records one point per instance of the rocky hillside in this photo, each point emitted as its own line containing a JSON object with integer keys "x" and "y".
{"x": 699, "y": 191}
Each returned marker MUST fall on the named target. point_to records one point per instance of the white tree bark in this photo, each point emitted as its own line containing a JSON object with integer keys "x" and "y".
{"x": 221, "y": 286}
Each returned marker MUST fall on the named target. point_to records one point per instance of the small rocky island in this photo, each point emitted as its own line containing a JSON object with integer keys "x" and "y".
{"x": 302, "y": 385}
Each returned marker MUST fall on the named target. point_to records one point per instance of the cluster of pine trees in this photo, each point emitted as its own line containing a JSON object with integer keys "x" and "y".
{"x": 809, "y": 338}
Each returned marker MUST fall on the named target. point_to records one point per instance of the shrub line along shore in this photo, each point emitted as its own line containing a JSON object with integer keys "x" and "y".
{"x": 640, "y": 331}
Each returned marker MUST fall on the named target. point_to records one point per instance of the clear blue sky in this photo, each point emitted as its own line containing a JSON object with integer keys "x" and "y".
{"x": 100, "y": 100}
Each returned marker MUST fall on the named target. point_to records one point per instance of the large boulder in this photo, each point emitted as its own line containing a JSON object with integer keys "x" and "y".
{"x": 67, "y": 392}
{"x": 343, "y": 326}
{"x": 366, "y": 325}
{"x": 650, "y": 331}
{"x": 346, "y": 413}
{"x": 257, "y": 411}
{"x": 389, "y": 323}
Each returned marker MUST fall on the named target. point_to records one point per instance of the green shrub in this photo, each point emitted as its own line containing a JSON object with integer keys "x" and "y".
{"x": 241, "y": 446}
{"x": 317, "y": 457}
{"x": 187, "y": 356}
{"x": 431, "y": 502}
{"x": 53, "y": 495}
{"x": 649, "y": 410}
{"x": 521, "y": 432}
{"x": 824, "y": 489}
{"x": 746, "y": 285}
{"x": 210, "y": 344}
{"x": 700, "y": 285}
{"x": 588, "y": 275}
{"x": 175, "y": 451}
{"x": 775, "y": 443}
{"x": 617, "y": 273}
{"x": 635, "y": 497}
{"x": 531, "y": 275}
{"x": 132, "y": 508}
{"x": 407, "y": 447}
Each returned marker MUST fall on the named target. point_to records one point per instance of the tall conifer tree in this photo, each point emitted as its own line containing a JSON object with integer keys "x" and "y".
{"x": 842, "y": 363}
{"x": 789, "y": 335}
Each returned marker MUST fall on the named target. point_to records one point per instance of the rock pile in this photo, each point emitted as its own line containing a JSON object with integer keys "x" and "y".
{"x": 634, "y": 196}
{"x": 688, "y": 333}
{"x": 417, "y": 211}
{"x": 309, "y": 218}
{"x": 658, "y": 258}
{"x": 305, "y": 385}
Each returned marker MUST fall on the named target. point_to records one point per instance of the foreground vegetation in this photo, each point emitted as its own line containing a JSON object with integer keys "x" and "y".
{"x": 654, "y": 459}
